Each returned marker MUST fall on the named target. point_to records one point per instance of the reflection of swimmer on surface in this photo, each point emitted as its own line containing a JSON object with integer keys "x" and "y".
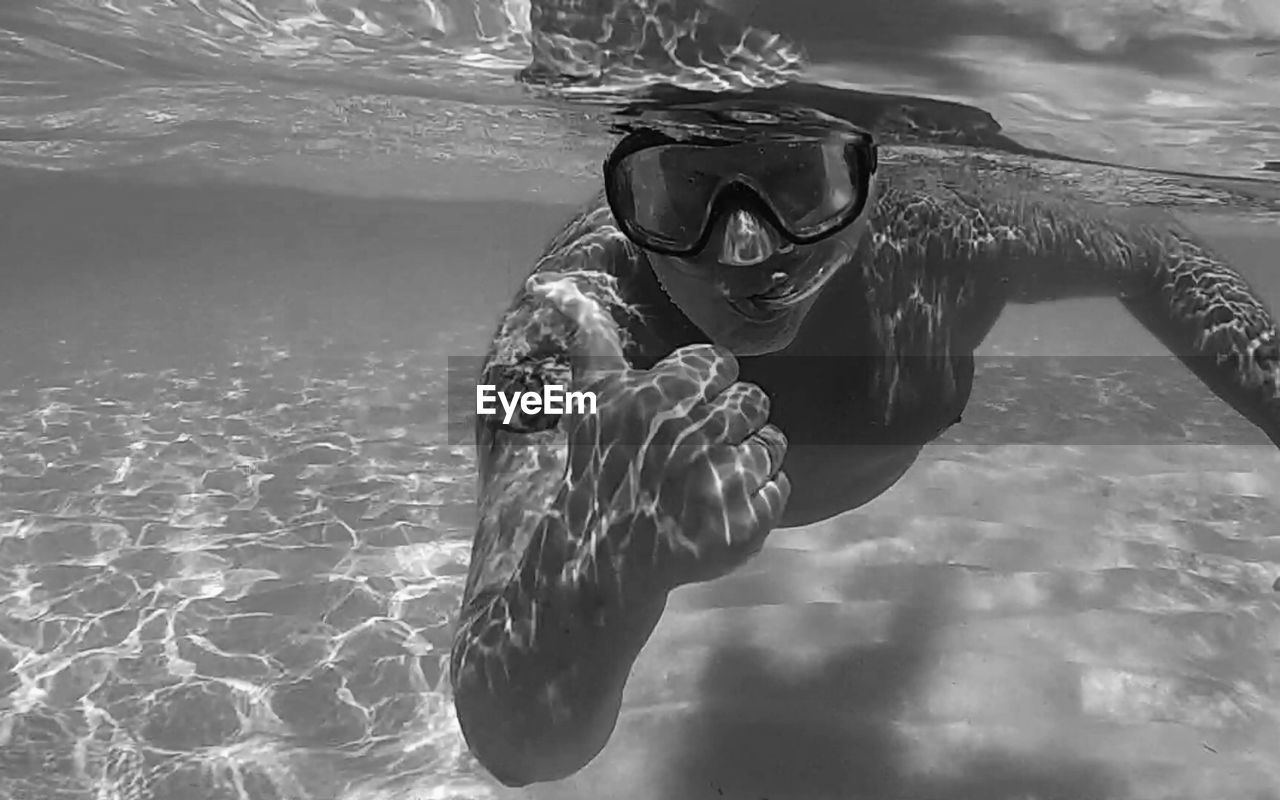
{"x": 752, "y": 271}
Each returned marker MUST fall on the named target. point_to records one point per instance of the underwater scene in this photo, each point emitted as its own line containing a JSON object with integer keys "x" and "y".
{"x": 254, "y": 253}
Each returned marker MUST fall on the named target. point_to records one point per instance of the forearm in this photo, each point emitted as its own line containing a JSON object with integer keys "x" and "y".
{"x": 1209, "y": 316}
{"x": 539, "y": 663}
{"x": 552, "y": 620}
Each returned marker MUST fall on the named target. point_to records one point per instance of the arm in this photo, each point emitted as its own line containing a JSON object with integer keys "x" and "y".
{"x": 550, "y": 623}
{"x": 548, "y": 632}
{"x": 1047, "y": 236}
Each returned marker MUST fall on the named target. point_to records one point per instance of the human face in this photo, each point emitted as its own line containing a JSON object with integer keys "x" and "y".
{"x": 750, "y": 289}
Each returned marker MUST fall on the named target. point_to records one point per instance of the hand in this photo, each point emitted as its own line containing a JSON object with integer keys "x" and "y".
{"x": 677, "y": 470}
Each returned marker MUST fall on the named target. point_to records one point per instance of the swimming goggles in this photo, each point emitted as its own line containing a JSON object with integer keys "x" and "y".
{"x": 669, "y": 178}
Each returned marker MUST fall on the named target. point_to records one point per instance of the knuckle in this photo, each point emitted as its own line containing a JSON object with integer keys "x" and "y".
{"x": 696, "y": 429}
{"x": 699, "y": 364}
{"x": 736, "y": 400}
{"x": 761, "y": 405}
{"x": 723, "y": 459}
{"x": 774, "y": 439}
{"x": 752, "y": 399}
{"x": 756, "y": 458}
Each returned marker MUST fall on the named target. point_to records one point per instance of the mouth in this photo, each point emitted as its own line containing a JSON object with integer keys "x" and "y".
{"x": 788, "y": 293}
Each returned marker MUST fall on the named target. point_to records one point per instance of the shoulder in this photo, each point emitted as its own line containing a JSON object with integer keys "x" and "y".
{"x": 955, "y": 203}
{"x": 591, "y": 241}
{"x": 589, "y": 258}
{"x": 924, "y": 191}
{"x": 921, "y": 210}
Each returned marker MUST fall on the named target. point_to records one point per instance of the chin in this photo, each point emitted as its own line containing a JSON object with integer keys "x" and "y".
{"x": 746, "y": 336}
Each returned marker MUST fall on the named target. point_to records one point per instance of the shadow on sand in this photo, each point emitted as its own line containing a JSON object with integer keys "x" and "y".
{"x": 830, "y": 733}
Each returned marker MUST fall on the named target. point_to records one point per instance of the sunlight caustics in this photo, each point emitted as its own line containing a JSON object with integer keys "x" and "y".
{"x": 233, "y": 531}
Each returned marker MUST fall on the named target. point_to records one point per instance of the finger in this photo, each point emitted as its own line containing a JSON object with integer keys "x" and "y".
{"x": 764, "y": 513}
{"x": 696, "y": 372}
{"x": 737, "y": 413}
{"x": 770, "y": 502}
{"x": 595, "y": 349}
{"x": 762, "y": 456}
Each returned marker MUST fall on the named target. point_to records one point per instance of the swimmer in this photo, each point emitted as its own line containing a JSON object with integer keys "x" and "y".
{"x": 776, "y": 321}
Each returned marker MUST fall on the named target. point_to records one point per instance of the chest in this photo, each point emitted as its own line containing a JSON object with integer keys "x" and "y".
{"x": 884, "y": 357}
{"x": 863, "y": 399}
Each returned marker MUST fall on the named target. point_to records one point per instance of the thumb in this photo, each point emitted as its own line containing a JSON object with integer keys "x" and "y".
{"x": 595, "y": 350}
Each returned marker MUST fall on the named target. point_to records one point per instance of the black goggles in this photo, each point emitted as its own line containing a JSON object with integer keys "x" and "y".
{"x": 665, "y": 192}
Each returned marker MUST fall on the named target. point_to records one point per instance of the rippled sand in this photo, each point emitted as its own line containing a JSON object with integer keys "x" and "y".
{"x": 232, "y": 531}
{"x": 233, "y": 536}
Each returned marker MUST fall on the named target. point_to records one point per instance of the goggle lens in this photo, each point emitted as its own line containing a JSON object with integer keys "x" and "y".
{"x": 664, "y": 195}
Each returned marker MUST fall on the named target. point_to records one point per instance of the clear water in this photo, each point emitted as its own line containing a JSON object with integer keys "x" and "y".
{"x": 239, "y": 239}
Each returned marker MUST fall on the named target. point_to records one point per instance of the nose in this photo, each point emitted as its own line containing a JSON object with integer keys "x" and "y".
{"x": 746, "y": 240}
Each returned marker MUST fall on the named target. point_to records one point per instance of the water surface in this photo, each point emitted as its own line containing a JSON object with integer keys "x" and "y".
{"x": 241, "y": 240}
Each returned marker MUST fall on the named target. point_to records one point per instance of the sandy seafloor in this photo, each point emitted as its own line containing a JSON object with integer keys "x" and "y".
{"x": 233, "y": 536}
